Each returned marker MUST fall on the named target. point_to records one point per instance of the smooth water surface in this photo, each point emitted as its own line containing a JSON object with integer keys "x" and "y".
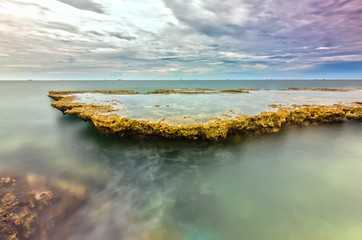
{"x": 302, "y": 183}
{"x": 194, "y": 108}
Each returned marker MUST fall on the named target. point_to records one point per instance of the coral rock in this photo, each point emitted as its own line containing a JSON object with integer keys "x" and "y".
{"x": 263, "y": 123}
{"x": 43, "y": 197}
{"x": 28, "y": 209}
{"x": 9, "y": 199}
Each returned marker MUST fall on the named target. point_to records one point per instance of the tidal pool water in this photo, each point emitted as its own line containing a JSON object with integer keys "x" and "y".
{"x": 194, "y": 108}
{"x": 302, "y": 183}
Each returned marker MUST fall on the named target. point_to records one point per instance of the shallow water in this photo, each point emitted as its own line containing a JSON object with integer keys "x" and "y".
{"x": 194, "y": 108}
{"x": 302, "y": 183}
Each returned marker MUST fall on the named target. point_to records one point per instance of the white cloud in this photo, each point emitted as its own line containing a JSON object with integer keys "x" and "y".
{"x": 175, "y": 37}
{"x": 242, "y": 56}
{"x": 255, "y": 67}
{"x": 23, "y": 66}
{"x": 350, "y": 57}
{"x": 297, "y": 67}
{"x": 324, "y": 48}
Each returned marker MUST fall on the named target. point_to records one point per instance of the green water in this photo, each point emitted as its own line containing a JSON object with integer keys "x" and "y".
{"x": 302, "y": 183}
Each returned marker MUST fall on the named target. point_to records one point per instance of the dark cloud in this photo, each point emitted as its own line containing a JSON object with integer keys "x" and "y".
{"x": 273, "y": 24}
{"x": 228, "y": 61}
{"x": 122, "y": 36}
{"x": 95, "y": 33}
{"x": 61, "y": 26}
{"x": 281, "y": 57}
{"x": 88, "y": 5}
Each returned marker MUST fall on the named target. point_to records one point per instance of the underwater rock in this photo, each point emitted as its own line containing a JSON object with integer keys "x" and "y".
{"x": 43, "y": 197}
{"x": 30, "y": 207}
{"x": 5, "y": 181}
{"x": 107, "y": 122}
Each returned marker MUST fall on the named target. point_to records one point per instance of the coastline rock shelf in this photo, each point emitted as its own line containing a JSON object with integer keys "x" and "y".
{"x": 208, "y": 113}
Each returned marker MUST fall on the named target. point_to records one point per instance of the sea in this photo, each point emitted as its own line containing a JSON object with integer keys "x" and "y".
{"x": 301, "y": 183}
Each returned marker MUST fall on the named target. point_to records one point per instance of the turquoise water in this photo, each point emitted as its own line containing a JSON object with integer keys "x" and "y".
{"x": 302, "y": 183}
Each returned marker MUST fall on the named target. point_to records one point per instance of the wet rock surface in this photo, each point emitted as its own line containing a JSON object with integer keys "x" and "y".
{"x": 31, "y": 206}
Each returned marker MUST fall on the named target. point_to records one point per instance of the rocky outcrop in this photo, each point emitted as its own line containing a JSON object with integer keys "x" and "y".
{"x": 238, "y": 90}
{"x": 183, "y": 91}
{"x": 322, "y": 89}
{"x": 201, "y": 91}
{"x": 263, "y": 123}
{"x": 56, "y": 95}
{"x": 30, "y": 206}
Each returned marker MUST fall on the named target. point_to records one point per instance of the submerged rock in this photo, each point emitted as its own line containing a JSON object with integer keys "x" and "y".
{"x": 5, "y": 181}
{"x": 107, "y": 121}
{"x": 30, "y": 207}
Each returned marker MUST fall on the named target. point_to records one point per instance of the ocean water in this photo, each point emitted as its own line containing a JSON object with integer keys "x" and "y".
{"x": 302, "y": 183}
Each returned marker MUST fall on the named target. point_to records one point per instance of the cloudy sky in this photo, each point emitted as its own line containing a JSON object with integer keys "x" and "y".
{"x": 180, "y": 39}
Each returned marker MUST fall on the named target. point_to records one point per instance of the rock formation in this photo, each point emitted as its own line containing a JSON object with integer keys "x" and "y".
{"x": 264, "y": 123}
{"x": 30, "y": 207}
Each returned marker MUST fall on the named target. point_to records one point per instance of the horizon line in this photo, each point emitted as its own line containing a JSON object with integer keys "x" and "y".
{"x": 259, "y": 79}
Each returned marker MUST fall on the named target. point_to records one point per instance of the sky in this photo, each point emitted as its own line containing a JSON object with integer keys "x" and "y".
{"x": 180, "y": 39}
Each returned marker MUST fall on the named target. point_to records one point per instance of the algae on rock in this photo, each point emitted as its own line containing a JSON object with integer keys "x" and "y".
{"x": 31, "y": 206}
{"x": 107, "y": 122}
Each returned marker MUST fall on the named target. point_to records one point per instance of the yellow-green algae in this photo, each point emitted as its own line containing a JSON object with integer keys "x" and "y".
{"x": 56, "y": 95}
{"x": 239, "y": 90}
{"x": 322, "y": 89}
{"x": 263, "y": 123}
{"x": 183, "y": 91}
{"x": 201, "y": 91}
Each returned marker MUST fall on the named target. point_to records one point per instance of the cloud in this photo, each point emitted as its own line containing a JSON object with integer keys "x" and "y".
{"x": 122, "y": 36}
{"x": 23, "y": 66}
{"x": 175, "y": 38}
{"x": 61, "y": 26}
{"x": 88, "y": 5}
{"x": 324, "y": 48}
{"x": 255, "y": 67}
{"x": 210, "y": 17}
